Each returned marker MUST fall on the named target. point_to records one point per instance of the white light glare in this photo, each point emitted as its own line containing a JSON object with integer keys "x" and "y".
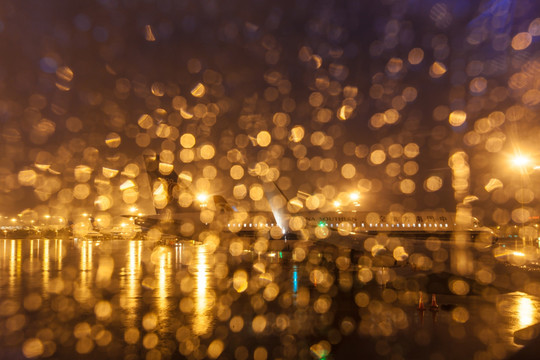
{"x": 202, "y": 197}
{"x": 354, "y": 196}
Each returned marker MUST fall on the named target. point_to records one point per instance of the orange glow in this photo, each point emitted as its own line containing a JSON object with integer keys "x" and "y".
{"x": 520, "y": 160}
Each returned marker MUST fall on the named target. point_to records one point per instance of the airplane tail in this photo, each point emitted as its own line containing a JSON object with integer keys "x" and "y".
{"x": 160, "y": 185}
{"x": 145, "y": 203}
{"x": 222, "y": 205}
{"x": 278, "y": 203}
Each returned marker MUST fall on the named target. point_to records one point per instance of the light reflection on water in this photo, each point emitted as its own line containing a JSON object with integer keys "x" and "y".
{"x": 163, "y": 302}
{"x": 59, "y": 244}
{"x": 519, "y": 309}
{"x": 14, "y": 265}
{"x": 148, "y": 281}
{"x": 85, "y": 270}
{"x": 130, "y": 284}
{"x": 202, "y": 294}
{"x": 525, "y": 311}
{"x": 46, "y": 269}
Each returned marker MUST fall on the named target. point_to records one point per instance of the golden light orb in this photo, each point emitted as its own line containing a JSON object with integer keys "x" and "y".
{"x": 354, "y": 196}
{"x": 521, "y": 160}
{"x": 202, "y": 197}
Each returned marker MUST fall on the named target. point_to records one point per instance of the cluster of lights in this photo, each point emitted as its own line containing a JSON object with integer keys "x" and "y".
{"x": 251, "y": 225}
{"x": 354, "y": 198}
{"x": 322, "y": 223}
{"x": 409, "y": 225}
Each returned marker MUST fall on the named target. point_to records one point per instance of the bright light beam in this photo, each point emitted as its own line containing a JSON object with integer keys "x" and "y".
{"x": 521, "y": 160}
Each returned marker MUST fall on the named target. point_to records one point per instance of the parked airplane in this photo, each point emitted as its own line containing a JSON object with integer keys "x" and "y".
{"x": 215, "y": 213}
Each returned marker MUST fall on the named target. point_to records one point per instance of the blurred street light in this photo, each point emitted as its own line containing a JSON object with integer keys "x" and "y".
{"x": 355, "y": 197}
{"x": 521, "y": 161}
{"x": 202, "y": 198}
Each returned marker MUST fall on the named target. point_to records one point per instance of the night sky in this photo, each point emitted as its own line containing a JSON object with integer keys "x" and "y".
{"x": 365, "y": 96}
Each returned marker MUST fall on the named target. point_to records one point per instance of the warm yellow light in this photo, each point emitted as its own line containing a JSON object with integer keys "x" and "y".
{"x": 525, "y": 311}
{"x": 337, "y": 203}
{"x": 47, "y": 216}
{"x": 202, "y": 197}
{"x": 133, "y": 209}
{"x": 521, "y": 160}
{"x": 201, "y": 292}
{"x": 128, "y": 184}
{"x": 354, "y": 196}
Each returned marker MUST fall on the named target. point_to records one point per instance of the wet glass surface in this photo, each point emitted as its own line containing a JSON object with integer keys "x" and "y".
{"x": 260, "y": 179}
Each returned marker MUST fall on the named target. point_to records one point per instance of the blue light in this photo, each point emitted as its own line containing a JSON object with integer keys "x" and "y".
{"x": 295, "y": 279}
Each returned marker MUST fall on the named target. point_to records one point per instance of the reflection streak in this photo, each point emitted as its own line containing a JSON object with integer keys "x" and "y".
{"x": 46, "y": 267}
{"x": 525, "y": 311}
{"x": 59, "y": 253}
{"x": 202, "y": 320}
{"x": 131, "y": 285}
{"x": 520, "y": 310}
{"x": 85, "y": 267}
{"x": 12, "y": 274}
{"x": 163, "y": 301}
